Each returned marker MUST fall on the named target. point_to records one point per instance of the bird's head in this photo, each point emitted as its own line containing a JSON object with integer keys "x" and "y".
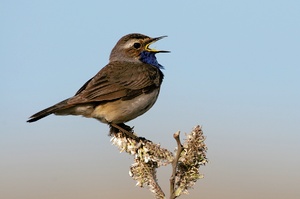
{"x": 136, "y": 48}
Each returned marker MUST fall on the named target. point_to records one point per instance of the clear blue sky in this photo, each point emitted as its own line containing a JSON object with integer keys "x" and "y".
{"x": 234, "y": 68}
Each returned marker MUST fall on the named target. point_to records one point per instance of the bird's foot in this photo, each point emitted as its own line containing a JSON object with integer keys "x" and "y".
{"x": 115, "y": 128}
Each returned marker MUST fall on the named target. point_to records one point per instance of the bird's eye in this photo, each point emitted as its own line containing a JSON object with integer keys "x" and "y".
{"x": 136, "y": 45}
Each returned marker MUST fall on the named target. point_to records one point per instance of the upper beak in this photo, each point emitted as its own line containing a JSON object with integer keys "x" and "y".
{"x": 153, "y": 40}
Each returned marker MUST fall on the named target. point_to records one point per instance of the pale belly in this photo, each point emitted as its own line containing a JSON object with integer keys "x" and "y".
{"x": 122, "y": 111}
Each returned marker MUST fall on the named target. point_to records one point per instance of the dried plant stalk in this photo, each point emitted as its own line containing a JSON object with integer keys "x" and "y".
{"x": 149, "y": 156}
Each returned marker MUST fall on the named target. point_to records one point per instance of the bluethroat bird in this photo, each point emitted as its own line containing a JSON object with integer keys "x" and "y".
{"x": 124, "y": 89}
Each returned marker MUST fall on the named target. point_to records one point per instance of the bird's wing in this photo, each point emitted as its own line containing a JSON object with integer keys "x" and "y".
{"x": 118, "y": 80}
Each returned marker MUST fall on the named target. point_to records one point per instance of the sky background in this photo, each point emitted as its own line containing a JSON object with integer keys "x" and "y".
{"x": 234, "y": 69}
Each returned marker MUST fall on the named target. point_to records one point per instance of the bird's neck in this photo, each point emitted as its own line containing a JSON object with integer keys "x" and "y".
{"x": 149, "y": 58}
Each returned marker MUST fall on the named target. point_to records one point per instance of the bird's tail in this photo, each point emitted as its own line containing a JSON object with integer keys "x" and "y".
{"x": 48, "y": 111}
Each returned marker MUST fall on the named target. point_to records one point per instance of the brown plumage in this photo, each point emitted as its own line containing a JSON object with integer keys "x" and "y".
{"x": 125, "y": 88}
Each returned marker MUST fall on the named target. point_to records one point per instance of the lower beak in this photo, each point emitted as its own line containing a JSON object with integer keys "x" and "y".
{"x": 153, "y": 40}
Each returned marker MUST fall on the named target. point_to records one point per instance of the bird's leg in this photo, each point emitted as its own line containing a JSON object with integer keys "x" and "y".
{"x": 123, "y": 128}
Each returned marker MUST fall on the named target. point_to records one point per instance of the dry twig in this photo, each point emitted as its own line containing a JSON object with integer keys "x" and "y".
{"x": 149, "y": 156}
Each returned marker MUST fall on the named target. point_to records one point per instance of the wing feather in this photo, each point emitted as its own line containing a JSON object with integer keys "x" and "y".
{"x": 118, "y": 80}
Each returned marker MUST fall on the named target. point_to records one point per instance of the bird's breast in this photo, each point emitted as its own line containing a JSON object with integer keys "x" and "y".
{"x": 121, "y": 111}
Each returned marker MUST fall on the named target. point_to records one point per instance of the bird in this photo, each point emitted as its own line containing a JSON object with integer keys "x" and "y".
{"x": 127, "y": 87}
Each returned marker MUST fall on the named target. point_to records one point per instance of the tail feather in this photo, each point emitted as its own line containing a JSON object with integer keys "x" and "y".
{"x": 48, "y": 111}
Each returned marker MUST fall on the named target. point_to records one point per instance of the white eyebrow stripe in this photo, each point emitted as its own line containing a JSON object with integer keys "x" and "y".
{"x": 130, "y": 43}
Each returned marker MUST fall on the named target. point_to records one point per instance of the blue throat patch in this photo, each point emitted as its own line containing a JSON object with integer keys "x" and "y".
{"x": 149, "y": 58}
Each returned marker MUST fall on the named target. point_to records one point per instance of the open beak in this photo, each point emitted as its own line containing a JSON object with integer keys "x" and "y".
{"x": 153, "y": 40}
